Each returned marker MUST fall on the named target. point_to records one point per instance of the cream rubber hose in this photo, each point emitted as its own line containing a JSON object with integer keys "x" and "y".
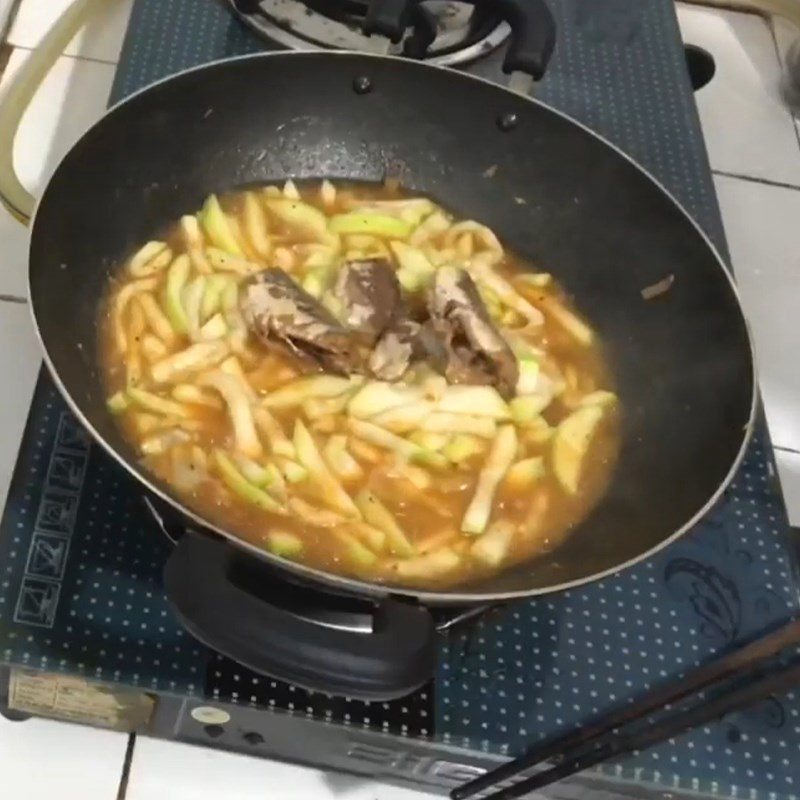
{"x": 18, "y": 95}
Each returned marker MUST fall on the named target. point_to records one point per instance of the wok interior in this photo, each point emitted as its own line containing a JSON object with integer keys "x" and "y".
{"x": 682, "y": 363}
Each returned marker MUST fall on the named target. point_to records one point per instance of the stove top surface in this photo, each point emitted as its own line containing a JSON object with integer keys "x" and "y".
{"x": 80, "y": 559}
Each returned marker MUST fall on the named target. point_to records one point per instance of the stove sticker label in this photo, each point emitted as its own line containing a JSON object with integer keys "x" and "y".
{"x": 37, "y": 602}
{"x": 71, "y": 435}
{"x": 55, "y": 521}
{"x": 66, "y": 471}
{"x": 57, "y": 513}
{"x": 47, "y": 556}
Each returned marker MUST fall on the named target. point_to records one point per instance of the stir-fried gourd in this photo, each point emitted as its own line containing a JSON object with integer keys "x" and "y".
{"x": 370, "y": 222}
{"x": 378, "y": 515}
{"x": 284, "y": 544}
{"x": 500, "y": 457}
{"x": 429, "y": 566}
{"x": 302, "y": 219}
{"x": 234, "y": 393}
{"x": 217, "y": 227}
{"x": 407, "y": 401}
{"x": 240, "y": 486}
{"x": 340, "y": 461}
{"x": 492, "y": 547}
{"x": 194, "y": 358}
{"x": 315, "y": 386}
{"x": 151, "y": 259}
{"x": 328, "y": 485}
{"x": 571, "y": 443}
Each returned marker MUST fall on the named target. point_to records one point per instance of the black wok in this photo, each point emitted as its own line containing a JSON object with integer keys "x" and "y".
{"x": 682, "y": 362}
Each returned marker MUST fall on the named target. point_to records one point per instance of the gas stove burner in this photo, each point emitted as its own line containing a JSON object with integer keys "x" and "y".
{"x": 442, "y": 32}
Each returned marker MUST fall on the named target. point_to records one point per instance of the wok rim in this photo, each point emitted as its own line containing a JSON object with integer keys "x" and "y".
{"x": 356, "y": 586}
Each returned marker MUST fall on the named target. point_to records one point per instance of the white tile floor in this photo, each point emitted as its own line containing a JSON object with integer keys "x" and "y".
{"x": 749, "y": 134}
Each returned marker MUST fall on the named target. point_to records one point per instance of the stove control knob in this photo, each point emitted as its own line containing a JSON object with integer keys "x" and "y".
{"x": 213, "y": 731}
{"x": 253, "y": 738}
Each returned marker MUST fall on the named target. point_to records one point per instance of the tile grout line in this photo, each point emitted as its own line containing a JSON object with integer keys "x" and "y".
{"x": 754, "y": 179}
{"x": 90, "y": 59}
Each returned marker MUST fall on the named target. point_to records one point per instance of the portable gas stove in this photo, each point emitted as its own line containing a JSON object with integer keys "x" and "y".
{"x": 86, "y": 633}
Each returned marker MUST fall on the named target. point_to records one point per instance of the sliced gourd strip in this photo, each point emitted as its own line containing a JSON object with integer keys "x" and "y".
{"x": 376, "y": 397}
{"x": 403, "y": 419}
{"x": 189, "y": 393}
{"x": 571, "y": 443}
{"x": 300, "y": 390}
{"x": 150, "y": 259}
{"x": 120, "y": 304}
{"x": 235, "y": 396}
{"x": 255, "y": 473}
{"x": 193, "y": 239}
{"x": 432, "y": 565}
{"x": 403, "y": 447}
{"x": 241, "y": 487}
{"x": 327, "y": 193}
{"x": 194, "y": 358}
{"x": 118, "y": 402}
{"x": 525, "y": 472}
{"x": 370, "y": 222}
{"x": 192, "y": 297}
{"x": 217, "y": 227}
{"x": 214, "y": 328}
{"x": 462, "y": 447}
{"x": 255, "y": 225}
{"x": 290, "y": 190}
{"x": 158, "y": 405}
{"x": 271, "y": 430}
{"x": 377, "y": 514}
{"x": 433, "y": 225}
{"x": 223, "y": 261}
{"x": 161, "y": 442}
{"x": 501, "y": 456}
{"x": 486, "y": 276}
{"x": 459, "y": 423}
{"x": 339, "y": 459}
{"x": 176, "y": 279}
{"x": 212, "y": 298}
{"x": 492, "y": 548}
{"x": 567, "y": 320}
{"x": 284, "y": 544}
{"x": 481, "y": 401}
{"x": 330, "y": 489}
{"x": 318, "y": 407}
{"x": 358, "y": 553}
{"x": 301, "y": 219}
{"x": 153, "y": 348}
{"x": 156, "y": 319}
{"x": 232, "y": 366}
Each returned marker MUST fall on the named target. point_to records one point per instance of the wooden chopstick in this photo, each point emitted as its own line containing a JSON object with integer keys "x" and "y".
{"x": 576, "y": 745}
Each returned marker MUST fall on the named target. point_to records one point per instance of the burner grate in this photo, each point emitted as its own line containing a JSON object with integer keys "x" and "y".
{"x": 443, "y": 32}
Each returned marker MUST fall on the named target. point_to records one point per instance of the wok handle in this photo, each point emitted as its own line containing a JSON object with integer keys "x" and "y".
{"x": 221, "y": 597}
{"x": 533, "y": 35}
{"x": 18, "y": 95}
